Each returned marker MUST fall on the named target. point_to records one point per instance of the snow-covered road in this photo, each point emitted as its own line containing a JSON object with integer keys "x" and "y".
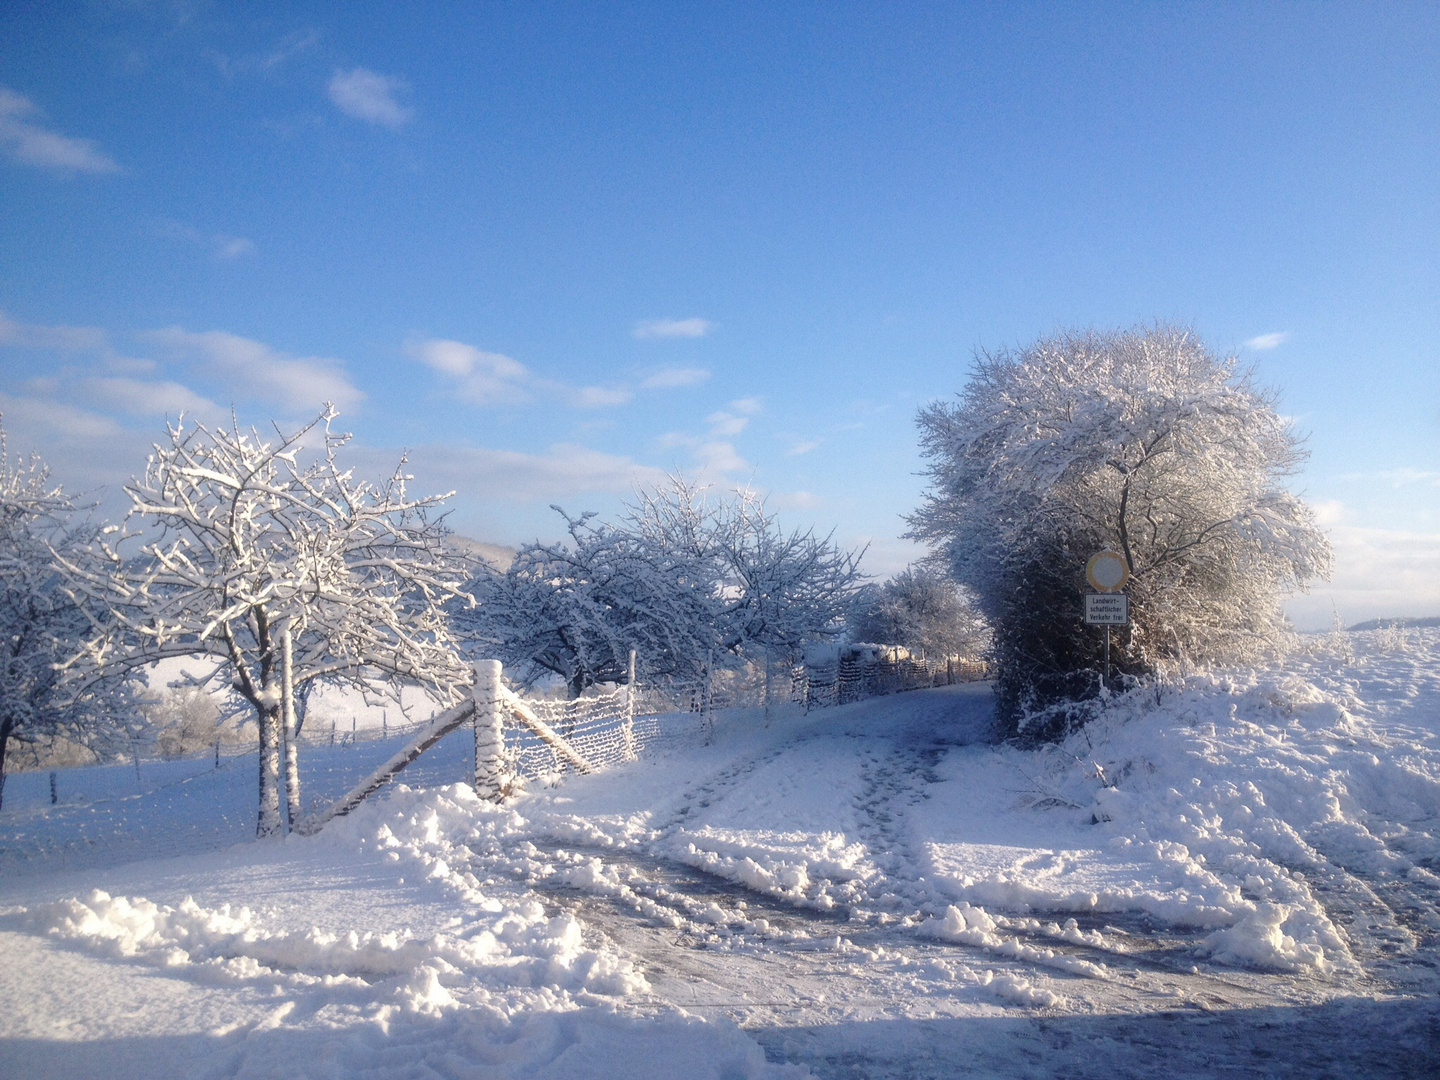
{"x": 1233, "y": 877}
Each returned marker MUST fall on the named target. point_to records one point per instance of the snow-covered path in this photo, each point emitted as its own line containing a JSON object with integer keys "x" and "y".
{"x": 1228, "y": 879}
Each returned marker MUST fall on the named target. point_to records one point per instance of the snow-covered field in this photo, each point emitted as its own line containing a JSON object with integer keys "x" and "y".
{"x": 1237, "y": 875}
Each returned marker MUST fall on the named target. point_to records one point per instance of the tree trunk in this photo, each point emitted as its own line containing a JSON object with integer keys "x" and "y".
{"x": 288, "y": 730}
{"x": 268, "y": 822}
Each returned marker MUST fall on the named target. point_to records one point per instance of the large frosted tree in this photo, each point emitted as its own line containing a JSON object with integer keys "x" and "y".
{"x": 267, "y": 556}
{"x": 1143, "y": 442}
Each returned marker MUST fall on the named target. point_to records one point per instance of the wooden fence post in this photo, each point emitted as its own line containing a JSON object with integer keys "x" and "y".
{"x": 629, "y": 729}
{"x": 490, "y": 779}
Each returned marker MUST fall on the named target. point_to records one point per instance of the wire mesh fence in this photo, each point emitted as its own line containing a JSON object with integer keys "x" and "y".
{"x": 872, "y": 671}
{"x": 614, "y": 726}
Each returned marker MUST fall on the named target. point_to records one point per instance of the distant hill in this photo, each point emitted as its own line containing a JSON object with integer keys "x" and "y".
{"x": 497, "y": 555}
{"x": 1396, "y": 624}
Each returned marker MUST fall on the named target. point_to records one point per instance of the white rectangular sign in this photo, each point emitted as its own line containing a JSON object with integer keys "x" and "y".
{"x": 1107, "y": 609}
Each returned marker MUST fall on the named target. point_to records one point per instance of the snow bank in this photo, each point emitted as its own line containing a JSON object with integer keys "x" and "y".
{"x": 510, "y": 989}
{"x": 1218, "y": 802}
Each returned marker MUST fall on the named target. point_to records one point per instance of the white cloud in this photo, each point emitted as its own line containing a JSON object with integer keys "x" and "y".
{"x": 711, "y": 456}
{"x": 486, "y": 378}
{"x": 291, "y": 45}
{"x": 887, "y": 555}
{"x": 142, "y": 397}
{"x": 1378, "y": 573}
{"x": 482, "y": 473}
{"x": 222, "y": 245}
{"x": 483, "y": 378}
{"x": 232, "y": 247}
{"x": 747, "y": 405}
{"x": 54, "y": 418}
{"x": 793, "y": 500}
{"x": 253, "y": 370}
{"x": 724, "y": 423}
{"x": 1398, "y": 478}
{"x": 30, "y": 144}
{"x": 718, "y": 456}
{"x": 669, "y": 378}
{"x": 596, "y": 397}
{"x": 672, "y": 328}
{"x": 367, "y": 95}
{"x": 67, "y": 338}
{"x": 803, "y": 448}
{"x": 1267, "y": 341}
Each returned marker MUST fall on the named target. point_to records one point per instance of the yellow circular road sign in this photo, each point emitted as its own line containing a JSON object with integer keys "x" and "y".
{"x": 1107, "y": 571}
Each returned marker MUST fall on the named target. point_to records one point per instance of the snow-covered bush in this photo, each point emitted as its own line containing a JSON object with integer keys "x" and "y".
{"x": 576, "y": 610}
{"x": 41, "y": 628}
{"x": 684, "y": 579}
{"x": 1145, "y": 443}
{"x": 924, "y": 609}
{"x": 267, "y": 557}
{"x": 183, "y": 720}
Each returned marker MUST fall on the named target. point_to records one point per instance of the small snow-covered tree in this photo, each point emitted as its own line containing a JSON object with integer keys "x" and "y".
{"x": 1143, "y": 442}
{"x": 576, "y": 610}
{"x": 247, "y": 543}
{"x": 40, "y": 626}
{"x": 921, "y": 608}
{"x": 682, "y": 578}
{"x": 772, "y": 589}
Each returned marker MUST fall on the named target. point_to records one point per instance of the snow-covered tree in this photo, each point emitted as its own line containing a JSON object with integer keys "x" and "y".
{"x": 772, "y": 589}
{"x": 40, "y": 626}
{"x": 1143, "y": 442}
{"x": 575, "y": 610}
{"x": 684, "y": 579}
{"x": 269, "y": 558}
{"x": 921, "y": 608}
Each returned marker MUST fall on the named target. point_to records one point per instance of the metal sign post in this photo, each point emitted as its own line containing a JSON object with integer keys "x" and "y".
{"x": 1108, "y": 572}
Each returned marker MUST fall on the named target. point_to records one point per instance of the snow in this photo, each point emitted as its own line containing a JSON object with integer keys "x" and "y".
{"x": 1239, "y": 867}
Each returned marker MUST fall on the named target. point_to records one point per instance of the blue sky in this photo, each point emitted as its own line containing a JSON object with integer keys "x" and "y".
{"x": 557, "y": 249}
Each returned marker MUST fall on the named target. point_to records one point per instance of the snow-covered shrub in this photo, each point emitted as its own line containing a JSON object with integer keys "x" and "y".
{"x": 924, "y": 609}
{"x": 1145, "y": 443}
{"x": 183, "y": 720}
{"x": 246, "y": 544}
{"x": 41, "y": 627}
{"x": 683, "y": 578}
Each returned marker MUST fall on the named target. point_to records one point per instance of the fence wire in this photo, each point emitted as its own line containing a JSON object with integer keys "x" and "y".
{"x": 610, "y": 728}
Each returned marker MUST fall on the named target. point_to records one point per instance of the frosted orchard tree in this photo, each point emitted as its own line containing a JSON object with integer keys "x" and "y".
{"x": 576, "y": 609}
{"x": 683, "y": 578}
{"x": 40, "y": 626}
{"x": 1144, "y": 442}
{"x": 275, "y": 562}
{"x": 769, "y": 589}
{"x": 921, "y": 608}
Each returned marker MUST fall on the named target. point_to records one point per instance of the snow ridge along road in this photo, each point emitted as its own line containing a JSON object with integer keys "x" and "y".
{"x": 1234, "y": 875}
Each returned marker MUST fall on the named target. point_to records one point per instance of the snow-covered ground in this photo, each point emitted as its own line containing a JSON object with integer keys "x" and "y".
{"x": 1235, "y": 875}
